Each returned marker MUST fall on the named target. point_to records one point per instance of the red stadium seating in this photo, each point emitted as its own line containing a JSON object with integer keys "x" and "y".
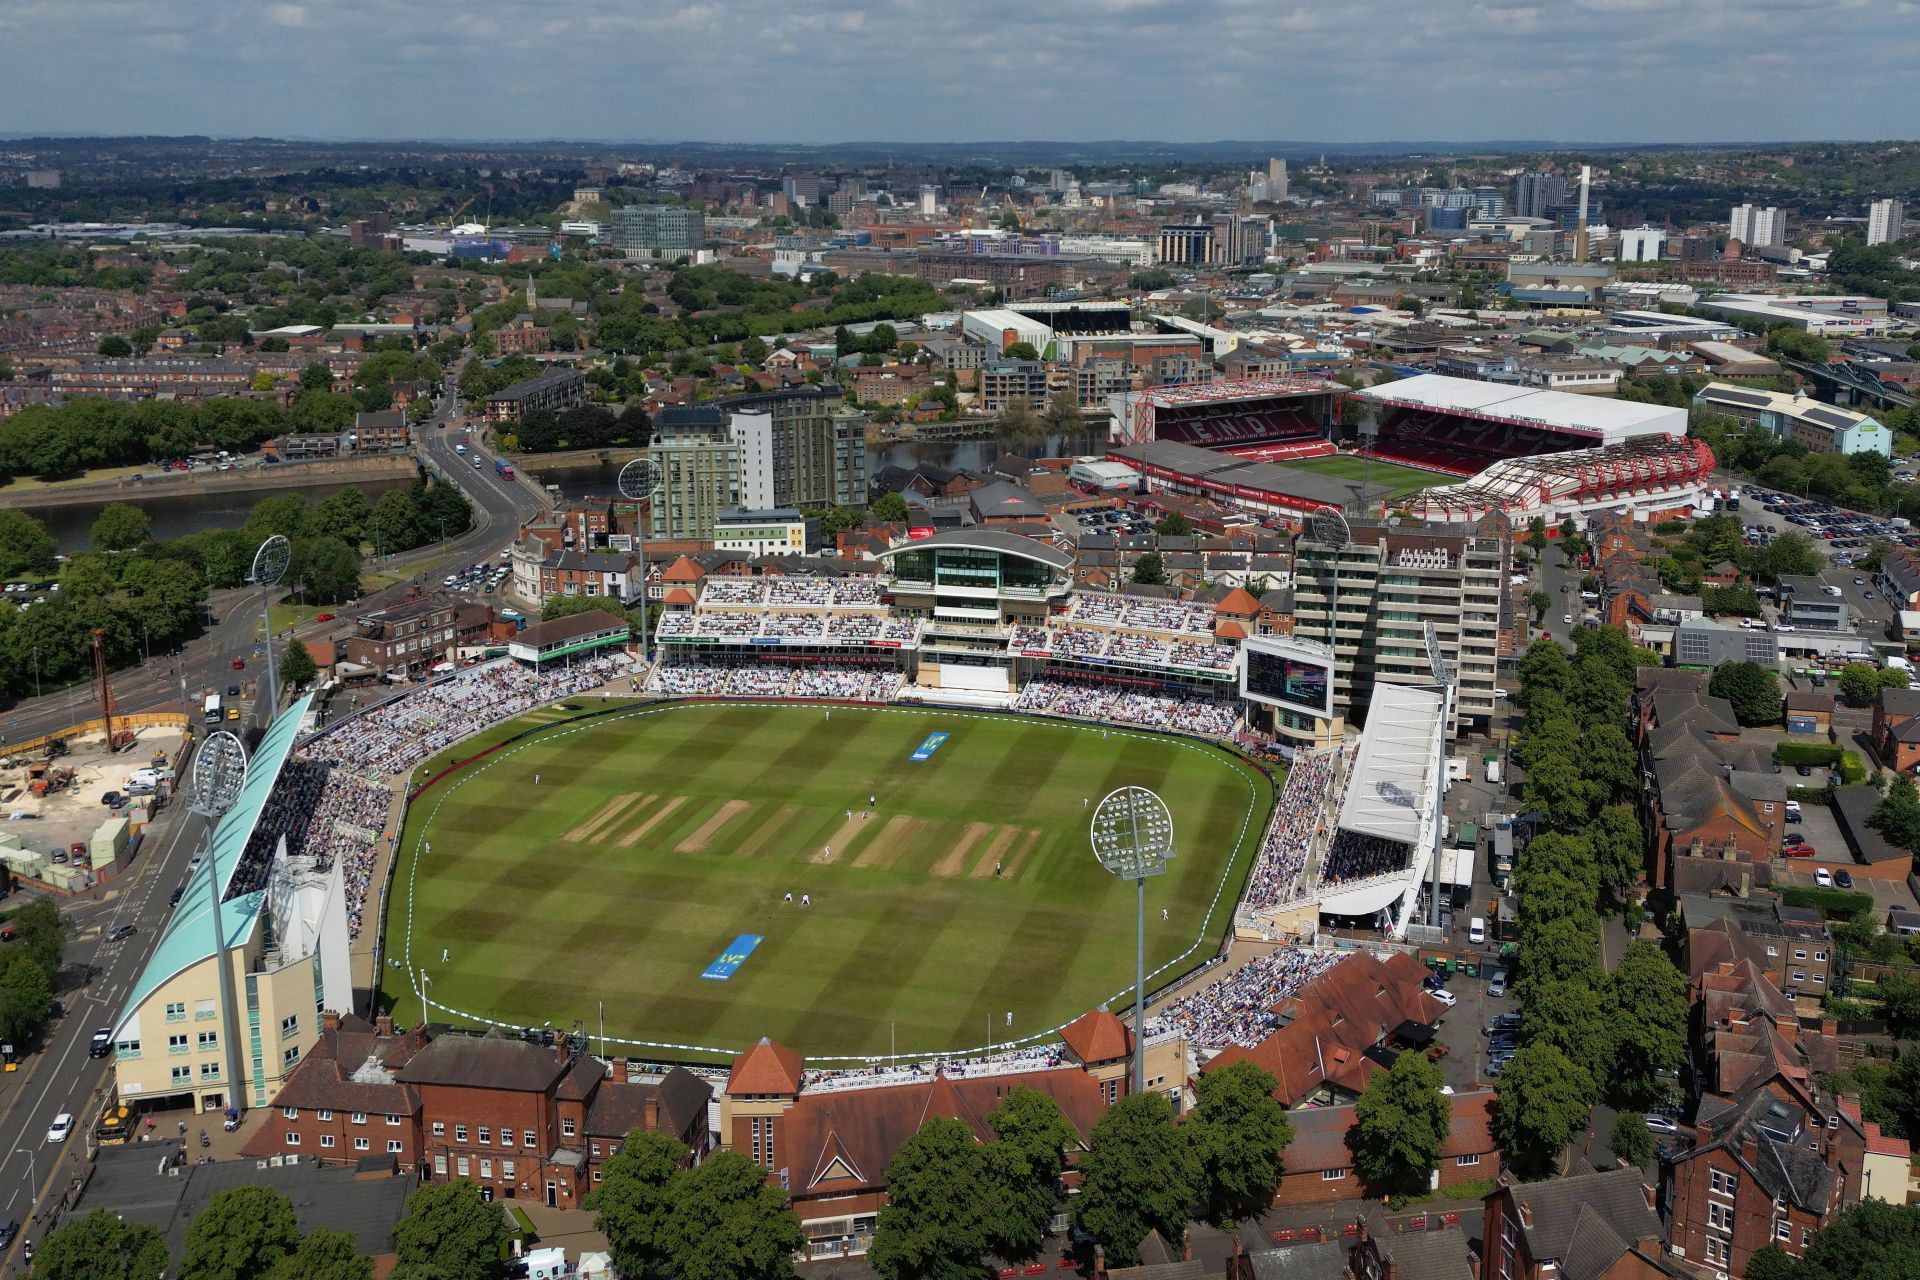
{"x": 1463, "y": 446}
{"x": 1231, "y": 425}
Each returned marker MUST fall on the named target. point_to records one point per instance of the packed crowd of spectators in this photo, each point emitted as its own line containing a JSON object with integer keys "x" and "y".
{"x": 790, "y": 591}
{"x": 853, "y": 626}
{"x": 344, "y": 786}
{"x": 1206, "y": 717}
{"x": 1140, "y": 613}
{"x": 1303, "y": 813}
{"x": 1238, "y": 1009}
{"x": 1035, "y": 1058}
{"x": 1353, "y": 857}
{"x": 845, "y": 683}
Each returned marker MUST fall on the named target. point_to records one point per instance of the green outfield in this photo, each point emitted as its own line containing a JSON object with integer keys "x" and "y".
{"x": 654, "y": 838}
{"x": 1402, "y": 480}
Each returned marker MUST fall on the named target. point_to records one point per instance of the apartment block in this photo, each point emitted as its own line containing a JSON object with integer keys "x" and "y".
{"x": 1374, "y": 599}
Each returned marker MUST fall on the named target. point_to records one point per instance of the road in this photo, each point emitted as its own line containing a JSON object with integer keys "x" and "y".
{"x": 205, "y": 665}
{"x": 57, "y": 1075}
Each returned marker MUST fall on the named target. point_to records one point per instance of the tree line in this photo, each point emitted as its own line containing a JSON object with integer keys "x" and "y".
{"x": 1585, "y": 1033}
{"x": 147, "y": 596}
{"x": 28, "y": 967}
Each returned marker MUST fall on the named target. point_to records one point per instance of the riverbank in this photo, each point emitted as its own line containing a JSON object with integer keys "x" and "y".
{"x": 207, "y": 483}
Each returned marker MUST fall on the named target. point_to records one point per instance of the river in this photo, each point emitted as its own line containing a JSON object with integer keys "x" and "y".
{"x": 597, "y": 481}
{"x": 72, "y": 527}
{"x": 177, "y": 517}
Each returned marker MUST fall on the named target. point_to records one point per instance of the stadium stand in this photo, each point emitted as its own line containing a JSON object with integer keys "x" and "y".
{"x": 1238, "y": 1009}
{"x": 1201, "y": 717}
{"x": 1559, "y": 483}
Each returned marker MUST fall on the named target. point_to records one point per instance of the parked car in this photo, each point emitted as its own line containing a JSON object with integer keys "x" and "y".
{"x": 1444, "y": 996}
{"x": 1662, "y": 1124}
{"x": 1502, "y": 1022}
{"x": 113, "y": 799}
{"x": 1792, "y": 838}
{"x": 1823, "y": 877}
{"x": 1805, "y": 771}
{"x": 1498, "y": 987}
{"x": 1843, "y": 878}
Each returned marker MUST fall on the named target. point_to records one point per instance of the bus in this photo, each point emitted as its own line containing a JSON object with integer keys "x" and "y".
{"x": 212, "y": 714}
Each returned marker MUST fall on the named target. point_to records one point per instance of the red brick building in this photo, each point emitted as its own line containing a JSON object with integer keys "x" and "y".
{"x": 1600, "y": 1226}
{"x": 1896, "y": 727}
{"x": 1319, "y": 1161}
{"x": 524, "y": 1120}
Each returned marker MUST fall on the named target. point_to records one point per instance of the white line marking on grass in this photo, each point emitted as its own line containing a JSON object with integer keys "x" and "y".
{"x": 1219, "y": 754}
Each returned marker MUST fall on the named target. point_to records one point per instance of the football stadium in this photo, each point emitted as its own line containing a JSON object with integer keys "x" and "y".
{"x": 852, "y": 881}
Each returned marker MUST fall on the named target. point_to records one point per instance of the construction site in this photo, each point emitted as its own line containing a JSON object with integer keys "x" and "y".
{"x": 75, "y": 803}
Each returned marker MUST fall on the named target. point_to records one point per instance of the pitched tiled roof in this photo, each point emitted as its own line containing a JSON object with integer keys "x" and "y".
{"x": 864, "y": 1128}
{"x": 352, "y": 1068}
{"x": 1239, "y": 603}
{"x": 1098, "y": 1036}
{"x": 765, "y": 1068}
{"x": 495, "y": 1060}
{"x": 1605, "y": 1212}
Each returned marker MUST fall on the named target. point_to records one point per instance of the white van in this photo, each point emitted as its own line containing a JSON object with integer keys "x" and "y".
{"x": 1793, "y": 811}
{"x": 1476, "y": 931}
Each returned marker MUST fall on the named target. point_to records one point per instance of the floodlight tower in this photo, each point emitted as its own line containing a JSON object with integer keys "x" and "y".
{"x": 1133, "y": 838}
{"x": 269, "y": 566}
{"x": 219, "y": 772}
{"x": 639, "y": 481}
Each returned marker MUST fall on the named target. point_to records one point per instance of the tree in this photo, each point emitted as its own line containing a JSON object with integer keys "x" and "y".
{"x": 1872, "y": 1240}
{"x": 324, "y": 1255}
{"x": 297, "y": 667}
{"x": 1174, "y": 525}
{"x": 1019, "y": 424}
{"x": 1537, "y": 534}
{"x": 102, "y": 1247}
{"x": 728, "y": 1224}
{"x": 933, "y": 1226}
{"x": 890, "y": 508}
{"x": 25, "y": 544}
{"x": 114, "y": 347}
{"x": 1149, "y": 570}
{"x": 1543, "y": 1106}
{"x": 1753, "y": 690}
{"x": 446, "y": 1225}
{"x": 1137, "y": 1176}
{"x": 343, "y": 514}
{"x": 240, "y": 1235}
{"x": 41, "y": 933}
{"x": 1237, "y": 1134}
{"x": 317, "y": 377}
{"x": 1897, "y": 816}
{"x": 325, "y": 570}
{"x": 1771, "y": 1262}
{"x": 1859, "y": 684}
{"x": 634, "y": 1201}
{"x": 1063, "y": 413}
{"x": 1630, "y": 1139}
{"x": 26, "y": 998}
{"x": 1401, "y": 1123}
{"x": 1021, "y": 351}
{"x": 121, "y": 526}
{"x": 1570, "y": 1014}
{"x": 1538, "y": 602}
{"x": 1649, "y": 1018}
{"x": 1026, "y": 1162}
{"x": 1619, "y": 849}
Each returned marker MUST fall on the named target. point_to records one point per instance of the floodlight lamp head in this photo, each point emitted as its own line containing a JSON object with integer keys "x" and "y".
{"x": 270, "y": 561}
{"x": 639, "y": 480}
{"x": 1329, "y": 527}
{"x": 1132, "y": 833}
{"x": 219, "y": 772}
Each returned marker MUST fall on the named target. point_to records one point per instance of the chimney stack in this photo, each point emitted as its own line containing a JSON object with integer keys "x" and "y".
{"x": 1526, "y": 1215}
{"x": 383, "y": 1025}
{"x": 329, "y": 1020}
{"x": 1580, "y": 233}
{"x": 650, "y": 1115}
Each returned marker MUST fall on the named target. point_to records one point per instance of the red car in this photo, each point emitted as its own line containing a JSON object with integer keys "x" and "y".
{"x": 77, "y": 850}
{"x": 323, "y": 617}
{"x": 238, "y": 664}
{"x": 1799, "y": 851}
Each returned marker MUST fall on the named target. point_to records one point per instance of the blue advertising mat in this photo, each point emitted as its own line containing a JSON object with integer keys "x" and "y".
{"x": 733, "y": 957}
{"x": 931, "y": 745}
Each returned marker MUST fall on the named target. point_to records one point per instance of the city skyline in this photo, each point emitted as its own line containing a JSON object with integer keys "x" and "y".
{"x": 1085, "y": 70}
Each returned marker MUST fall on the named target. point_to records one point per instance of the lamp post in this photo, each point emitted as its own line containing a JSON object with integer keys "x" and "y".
{"x": 269, "y": 566}
{"x": 33, "y": 1181}
{"x": 219, "y": 772}
{"x": 1132, "y": 835}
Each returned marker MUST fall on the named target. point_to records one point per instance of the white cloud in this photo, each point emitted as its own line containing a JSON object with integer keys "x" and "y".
{"x": 826, "y": 70}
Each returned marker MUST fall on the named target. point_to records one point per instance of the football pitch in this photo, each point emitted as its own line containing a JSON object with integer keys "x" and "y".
{"x": 1401, "y": 480}
{"x": 658, "y": 844}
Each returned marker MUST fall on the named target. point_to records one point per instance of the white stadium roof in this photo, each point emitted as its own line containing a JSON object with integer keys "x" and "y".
{"x": 1395, "y": 777}
{"x": 1607, "y": 420}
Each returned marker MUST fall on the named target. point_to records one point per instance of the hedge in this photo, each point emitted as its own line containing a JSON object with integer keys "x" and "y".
{"x": 1811, "y": 795}
{"x": 1826, "y": 753}
{"x": 1834, "y": 904}
{"x": 1853, "y": 770}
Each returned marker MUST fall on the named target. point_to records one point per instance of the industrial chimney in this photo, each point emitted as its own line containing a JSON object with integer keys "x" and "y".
{"x": 1580, "y": 231}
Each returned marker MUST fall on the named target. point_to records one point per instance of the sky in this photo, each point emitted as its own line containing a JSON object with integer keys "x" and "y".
{"x": 824, "y": 71}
